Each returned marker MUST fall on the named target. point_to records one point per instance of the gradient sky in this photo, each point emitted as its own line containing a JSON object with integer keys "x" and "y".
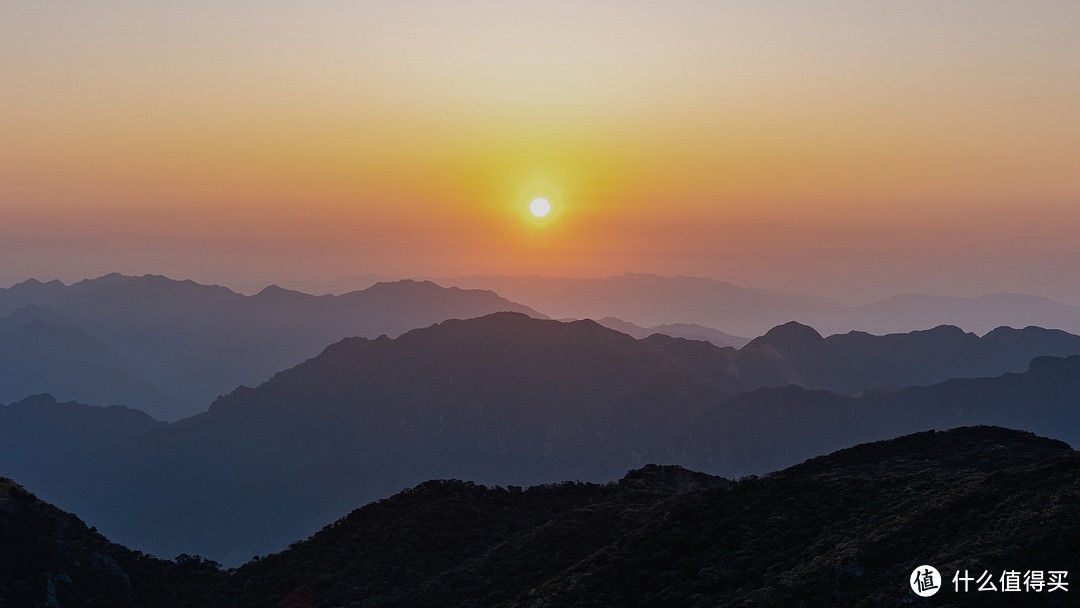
{"x": 852, "y": 149}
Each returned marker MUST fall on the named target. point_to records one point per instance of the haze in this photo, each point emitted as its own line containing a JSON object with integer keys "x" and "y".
{"x": 854, "y": 150}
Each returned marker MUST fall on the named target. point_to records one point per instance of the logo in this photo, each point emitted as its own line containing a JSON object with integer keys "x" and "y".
{"x": 925, "y": 581}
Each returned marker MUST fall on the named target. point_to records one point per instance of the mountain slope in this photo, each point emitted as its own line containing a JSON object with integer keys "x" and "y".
{"x": 50, "y": 558}
{"x": 38, "y": 429}
{"x": 766, "y": 429}
{"x": 39, "y": 356}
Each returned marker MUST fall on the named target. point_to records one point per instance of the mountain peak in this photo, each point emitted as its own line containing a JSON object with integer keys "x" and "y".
{"x": 40, "y": 399}
{"x": 1054, "y": 365}
{"x": 510, "y": 326}
{"x": 275, "y": 292}
{"x": 947, "y": 330}
{"x": 384, "y": 286}
{"x": 791, "y": 333}
{"x": 31, "y": 282}
{"x": 672, "y": 478}
{"x": 34, "y": 285}
{"x": 10, "y": 491}
{"x": 113, "y": 278}
{"x": 981, "y": 446}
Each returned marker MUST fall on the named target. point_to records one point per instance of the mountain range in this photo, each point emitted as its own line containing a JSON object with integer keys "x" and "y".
{"x": 170, "y": 347}
{"x": 846, "y": 529}
{"x": 509, "y": 399}
{"x": 650, "y": 300}
{"x": 762, "y": 430}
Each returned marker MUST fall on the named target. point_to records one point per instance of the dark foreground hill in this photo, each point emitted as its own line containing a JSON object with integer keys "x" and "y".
{"x": 840, "y": 530}
{"x": 848, "y": 529}
{"x": 51, "y": 558}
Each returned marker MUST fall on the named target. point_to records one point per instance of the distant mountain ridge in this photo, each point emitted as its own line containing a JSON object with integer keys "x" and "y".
{"x": 38, "y": 428}
{"x": 689, "y": 331}
{"x": 177, "y": 345}
{"x": 849, "y": 363}
{"x": 194, "y": 342}
{"x": 509, "y": 399}
{"x": 38, "y": 355}
{"x": 652, "y": 300}
{"x": 770, "y": 428}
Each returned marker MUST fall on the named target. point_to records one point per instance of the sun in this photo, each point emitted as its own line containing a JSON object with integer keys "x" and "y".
{"x": 540, "y": 204}
{"x": 539, "y": 207}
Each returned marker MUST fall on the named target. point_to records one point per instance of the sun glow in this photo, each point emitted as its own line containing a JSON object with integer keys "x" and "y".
{"x": 539, "y": 207}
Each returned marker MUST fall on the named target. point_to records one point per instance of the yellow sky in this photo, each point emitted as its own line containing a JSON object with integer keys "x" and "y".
{"x": 730, "y": 139}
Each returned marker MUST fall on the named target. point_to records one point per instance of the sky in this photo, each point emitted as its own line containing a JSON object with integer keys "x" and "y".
{"x": 848, "y": 149}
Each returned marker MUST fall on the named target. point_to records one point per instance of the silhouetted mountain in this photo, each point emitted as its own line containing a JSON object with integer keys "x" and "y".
{"x": 50, "y": 558}
{"x": 507, "y": 399}
{"x": 382, "y": 553}
{"x": 689, "y": 331}
{"x": 38, "y": 356}
{"x": 845, "y": 529}
{"x": 196, "y": 341}
{"x": 766, "y": 429}
{"x": 981, "y": 314}
{"x": 500, "y": 399}
{"x": 30, "y": 290}
{"x": 855, "y": 361}
{"x": 340, "y": 285}
{"x": 848, "y": 529}
{"x": 650, "y": 300}
{"x": 39, "y": 429}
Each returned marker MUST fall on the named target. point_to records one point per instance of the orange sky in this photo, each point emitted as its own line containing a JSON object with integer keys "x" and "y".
{"x": 845, "y": 148}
